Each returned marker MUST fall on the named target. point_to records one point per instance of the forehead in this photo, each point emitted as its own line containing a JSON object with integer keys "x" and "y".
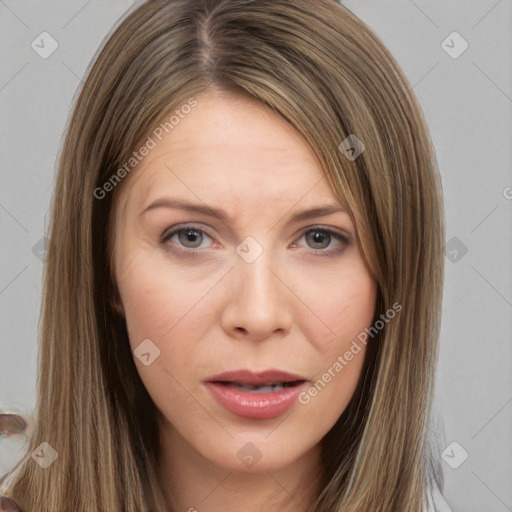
{"x": 233, "y": 149}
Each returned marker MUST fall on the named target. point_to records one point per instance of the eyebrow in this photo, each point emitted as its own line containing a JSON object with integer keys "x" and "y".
{"x": 319, "y": 211}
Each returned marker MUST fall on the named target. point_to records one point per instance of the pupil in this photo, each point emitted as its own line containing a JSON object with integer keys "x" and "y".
{"x": 318, "y": 237}
{"x": 190, "y": 235}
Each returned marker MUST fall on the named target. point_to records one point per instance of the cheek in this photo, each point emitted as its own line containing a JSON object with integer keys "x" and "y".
{"x": 174, "y": 311}
{"x": 347, "y": 308}
{"x": 157, "y": 302}
{"x": 341, "y": 305}
{"x": 165, "y": 308}
{"x": 330, "y": 393}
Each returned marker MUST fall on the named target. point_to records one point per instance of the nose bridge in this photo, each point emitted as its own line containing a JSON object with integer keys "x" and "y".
{"x": 260, "y": 283}
{"x": 258, "y": 303}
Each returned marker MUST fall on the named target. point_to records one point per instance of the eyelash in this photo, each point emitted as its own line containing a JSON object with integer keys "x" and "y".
{"x": 167, "y": 235}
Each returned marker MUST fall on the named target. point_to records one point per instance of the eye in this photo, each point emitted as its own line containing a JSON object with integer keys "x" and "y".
{"x": 190, "y": 237}
{"x": 323, "y": 239}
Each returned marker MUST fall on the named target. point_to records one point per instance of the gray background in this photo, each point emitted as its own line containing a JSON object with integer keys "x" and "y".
{"x": 467, "y": 103}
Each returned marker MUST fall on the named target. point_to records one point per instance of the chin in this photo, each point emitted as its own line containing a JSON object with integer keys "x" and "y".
{"x": 257, "y": 453}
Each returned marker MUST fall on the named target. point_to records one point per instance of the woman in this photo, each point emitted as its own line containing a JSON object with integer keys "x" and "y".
{"x": 243, "y": 287}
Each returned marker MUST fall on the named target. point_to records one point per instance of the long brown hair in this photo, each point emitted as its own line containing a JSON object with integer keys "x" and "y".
{"x": 324, "y": 71}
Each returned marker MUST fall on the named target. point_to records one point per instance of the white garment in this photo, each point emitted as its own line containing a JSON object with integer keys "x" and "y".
{"x": 436, "y": 501}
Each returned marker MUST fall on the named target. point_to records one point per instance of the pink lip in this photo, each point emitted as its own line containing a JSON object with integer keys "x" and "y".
{"x": 255, "y": 405}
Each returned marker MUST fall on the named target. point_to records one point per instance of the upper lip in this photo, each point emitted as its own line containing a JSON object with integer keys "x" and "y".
{"x": 255, "y": 378}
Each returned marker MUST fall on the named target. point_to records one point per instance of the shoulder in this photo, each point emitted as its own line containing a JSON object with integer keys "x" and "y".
{"x": 8, "y": 505}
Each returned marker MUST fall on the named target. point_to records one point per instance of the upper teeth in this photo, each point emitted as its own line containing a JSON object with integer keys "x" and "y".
{"x": 265, "y": 388}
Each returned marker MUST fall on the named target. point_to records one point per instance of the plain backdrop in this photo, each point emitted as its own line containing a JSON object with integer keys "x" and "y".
{"x": 467, "y": 100}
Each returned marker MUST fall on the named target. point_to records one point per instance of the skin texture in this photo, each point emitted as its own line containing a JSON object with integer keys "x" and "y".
{"x": 293, "y": 308}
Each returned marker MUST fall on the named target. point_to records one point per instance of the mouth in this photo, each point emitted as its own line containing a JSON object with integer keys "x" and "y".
{"x": 256, "y": 395}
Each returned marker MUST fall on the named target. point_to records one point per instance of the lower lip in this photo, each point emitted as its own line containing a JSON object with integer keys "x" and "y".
{"x": 255, "y": 405}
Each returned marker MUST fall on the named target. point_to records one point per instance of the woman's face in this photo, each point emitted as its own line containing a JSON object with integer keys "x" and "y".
{"x": 237, "y": 268}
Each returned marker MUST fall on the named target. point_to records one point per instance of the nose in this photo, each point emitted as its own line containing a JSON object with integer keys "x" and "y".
{"x": 258, "y": 303}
